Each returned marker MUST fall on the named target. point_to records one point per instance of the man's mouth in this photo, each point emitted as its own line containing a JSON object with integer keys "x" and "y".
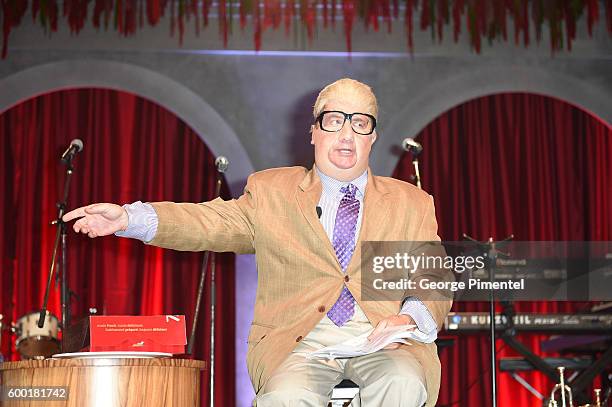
{"x": 345, "y": 151}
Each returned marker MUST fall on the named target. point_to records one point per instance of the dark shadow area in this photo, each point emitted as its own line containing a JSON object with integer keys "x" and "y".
{"x": 299, "y": 151}
{"x": 396, "y": 150}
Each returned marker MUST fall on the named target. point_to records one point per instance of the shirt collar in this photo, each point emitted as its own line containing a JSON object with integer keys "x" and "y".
{"x": 333, "y": 185}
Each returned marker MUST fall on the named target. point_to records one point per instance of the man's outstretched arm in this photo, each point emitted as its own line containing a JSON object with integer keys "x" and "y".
{"x": 216, "y": 225}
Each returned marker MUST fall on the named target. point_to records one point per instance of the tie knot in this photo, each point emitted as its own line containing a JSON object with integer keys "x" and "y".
{"x": 349, "y": 190}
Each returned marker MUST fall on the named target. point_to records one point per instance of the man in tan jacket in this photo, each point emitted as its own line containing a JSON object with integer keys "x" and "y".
{"x": 306, "y": 228}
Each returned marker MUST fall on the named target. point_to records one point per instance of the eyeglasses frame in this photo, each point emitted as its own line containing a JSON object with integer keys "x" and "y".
{"x": 348, "y": 116}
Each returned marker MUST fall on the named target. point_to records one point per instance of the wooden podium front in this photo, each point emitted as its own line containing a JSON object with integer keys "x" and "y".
{"x": 104, "y": 382}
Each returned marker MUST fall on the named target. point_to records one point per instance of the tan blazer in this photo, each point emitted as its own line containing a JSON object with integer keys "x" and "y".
{"x": 299, "y": 277}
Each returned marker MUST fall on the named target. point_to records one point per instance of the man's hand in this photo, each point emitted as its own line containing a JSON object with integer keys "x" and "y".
{"x": 393, "y": 320}
{"x": 98, "y": 219}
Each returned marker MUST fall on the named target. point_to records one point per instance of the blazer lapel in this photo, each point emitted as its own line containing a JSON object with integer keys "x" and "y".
{"x": 308, "y": 195}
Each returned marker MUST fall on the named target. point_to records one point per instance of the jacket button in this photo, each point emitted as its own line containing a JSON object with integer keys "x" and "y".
{"x": 299, "y": 338}
{"x": 346, "y": 278}
{"x": 322, "y": 308}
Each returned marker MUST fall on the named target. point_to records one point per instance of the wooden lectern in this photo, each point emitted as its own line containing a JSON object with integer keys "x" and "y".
{"x": 100, "y": 382}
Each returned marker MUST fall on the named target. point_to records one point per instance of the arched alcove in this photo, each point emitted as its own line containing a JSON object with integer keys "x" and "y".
{"x": 441, "y": 95}
{"x": 166, "y": 92}
{"x": 524, "y": 164}
{"x": 134, "y": 149}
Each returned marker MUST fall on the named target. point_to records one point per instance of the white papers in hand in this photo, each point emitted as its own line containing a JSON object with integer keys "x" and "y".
{"x": 361, "y": 345}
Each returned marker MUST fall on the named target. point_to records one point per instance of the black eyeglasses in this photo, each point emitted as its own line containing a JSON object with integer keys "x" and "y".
{"x": 333, "y": 121}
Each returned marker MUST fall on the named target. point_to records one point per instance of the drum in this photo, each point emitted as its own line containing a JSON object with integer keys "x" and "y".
{"x": 34, "y": 342}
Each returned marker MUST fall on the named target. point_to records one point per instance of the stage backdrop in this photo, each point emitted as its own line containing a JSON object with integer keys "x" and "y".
{"x": 134, "y": 150}
{"x": 520, "y": 164}
{"x": 513, "y": 163}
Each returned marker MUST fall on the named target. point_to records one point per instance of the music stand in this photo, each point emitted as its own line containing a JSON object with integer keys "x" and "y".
{"x": 491, "y": 251}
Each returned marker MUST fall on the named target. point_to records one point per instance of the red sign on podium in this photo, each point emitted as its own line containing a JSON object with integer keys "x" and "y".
{"x": 157, "y": 333}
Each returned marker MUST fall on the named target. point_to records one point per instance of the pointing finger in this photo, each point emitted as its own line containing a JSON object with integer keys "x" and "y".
{"x": 73, "y": 214}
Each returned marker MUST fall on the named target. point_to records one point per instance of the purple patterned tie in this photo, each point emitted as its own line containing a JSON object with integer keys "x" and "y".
{"x": 344, "y": 245}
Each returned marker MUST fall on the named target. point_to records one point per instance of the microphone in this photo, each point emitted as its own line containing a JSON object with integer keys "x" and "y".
{"x": 76, "y": 146}
{"x": 410, "y": 145}
{"x": 319, "y": 211}
{"x": 221, "y": 163}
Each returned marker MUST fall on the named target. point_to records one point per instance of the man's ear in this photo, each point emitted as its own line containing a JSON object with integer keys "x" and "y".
{"x": 374, "y": 137}
{"x": 312, "y": 134}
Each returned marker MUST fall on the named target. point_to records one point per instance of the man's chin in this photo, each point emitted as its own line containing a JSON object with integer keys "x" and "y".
{"x": 344, "y": 173}
{"x": 344, "y": 166}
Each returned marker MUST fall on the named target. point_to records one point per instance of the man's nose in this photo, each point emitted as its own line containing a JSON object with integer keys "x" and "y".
{"x": 346, "y": 133}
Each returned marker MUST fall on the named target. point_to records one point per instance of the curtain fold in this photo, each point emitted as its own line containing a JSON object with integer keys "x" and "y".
{"x": 134, "y": 150}
{"x": 521, "y": 164}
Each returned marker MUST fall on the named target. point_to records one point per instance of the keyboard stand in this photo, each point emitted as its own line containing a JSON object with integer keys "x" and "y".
{"x": 578, "y": 384}
{"x": 513, "y": 365}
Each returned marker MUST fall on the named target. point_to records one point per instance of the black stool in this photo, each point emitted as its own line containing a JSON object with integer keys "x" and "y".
{"x": 345, "y": 393}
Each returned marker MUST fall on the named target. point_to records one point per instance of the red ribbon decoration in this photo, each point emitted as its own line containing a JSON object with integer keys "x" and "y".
{"x": 483, "y": 18}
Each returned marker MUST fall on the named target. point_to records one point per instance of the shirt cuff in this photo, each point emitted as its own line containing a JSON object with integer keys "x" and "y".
{"x": 422, "y": 318}
{"x": 142, "y": 222}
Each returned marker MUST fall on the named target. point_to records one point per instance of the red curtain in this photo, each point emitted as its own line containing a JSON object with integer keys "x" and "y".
{"x": 520, "y": 164}
{"x": 134, "y": 150}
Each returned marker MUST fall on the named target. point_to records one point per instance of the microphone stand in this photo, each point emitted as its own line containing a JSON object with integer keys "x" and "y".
{"x": 60, "y": 235}
{"x": 417, "y": 174}
{"x": 212, "y": 328}
{"x": 415, "y": 149}
{"x": 196, "y": 314}
{"x": 490, "y": 249}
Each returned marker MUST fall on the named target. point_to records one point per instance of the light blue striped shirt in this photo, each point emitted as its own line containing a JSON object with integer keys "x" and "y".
{"x": 331, "y": 197}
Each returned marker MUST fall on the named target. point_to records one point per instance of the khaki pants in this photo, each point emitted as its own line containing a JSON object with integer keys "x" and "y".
{"x": 386, "y": 378}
